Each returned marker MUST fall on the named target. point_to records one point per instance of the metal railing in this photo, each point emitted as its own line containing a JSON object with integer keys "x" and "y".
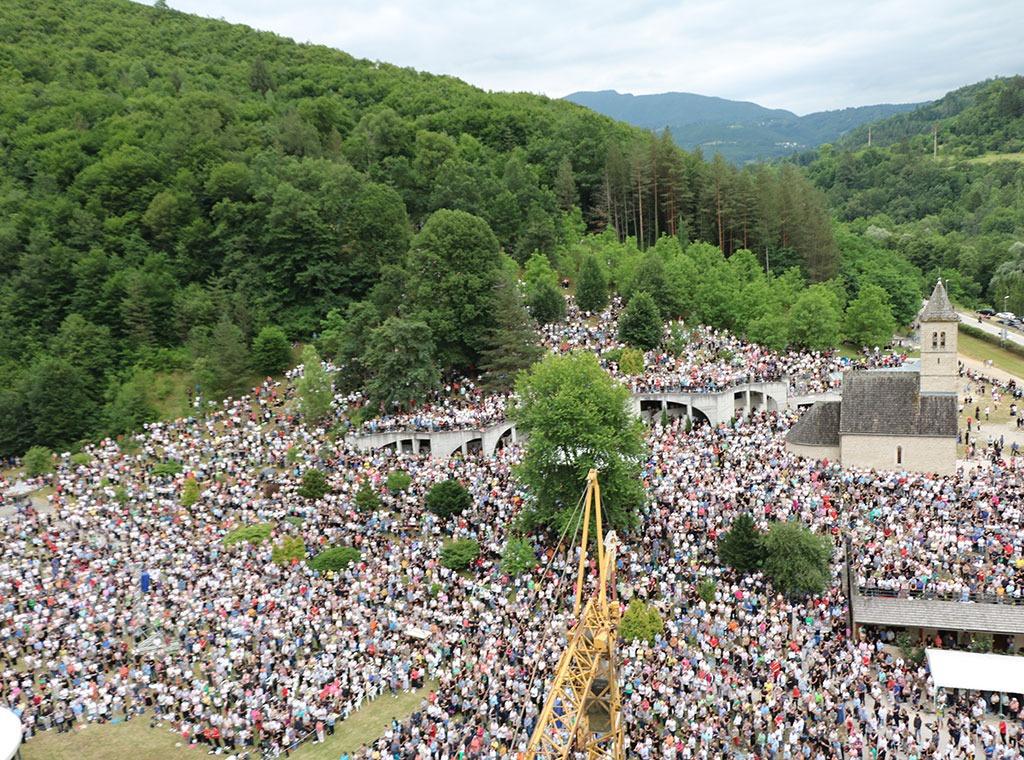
{"x": 938, "y": 596}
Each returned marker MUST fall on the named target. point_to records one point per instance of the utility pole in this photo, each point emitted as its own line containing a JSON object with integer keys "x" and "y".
{"x": 869, "y": 135}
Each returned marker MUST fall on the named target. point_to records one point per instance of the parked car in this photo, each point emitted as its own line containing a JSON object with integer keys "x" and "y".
{"x": 986, "y": 312}
{"x": 1006, "y": 315}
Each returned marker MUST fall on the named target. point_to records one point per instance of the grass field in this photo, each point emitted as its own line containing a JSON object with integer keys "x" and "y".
{"x": 135, "y": 739}
{"x": 991, "y": 158}
{"x": 978, "y": 349}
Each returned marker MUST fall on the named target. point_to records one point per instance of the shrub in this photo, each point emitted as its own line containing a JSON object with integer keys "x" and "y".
{"x": 291, "y": 549}
{"x": 38, "y": 460}
{"x": 707, "y": 589}
{"x": 448, "y": 498}
{"x": 456, "y": 555}
{"x": 367, "y": 499}
{"x": 314, "y": 485}
{"x": 796, "y": 559}
{"x": 80, "y": 458}
{"x": 253, "y": 534}
{"x": 640, "y": 622}
{"x": 632, "y": 362}
{"x": 121, "y": 494}
{"x": 613, "y": 355}
{"x": 435, "y": 589}
{"x": 518, "y": 557}
{"x": 189, "y": 492}
{"x": 293, "y": 520}
{"x": 292, "y": 455}
{"x": 334, "y": 559}
{"x": 912, "y": 652}
{"x": 398, "y": 480}
{"x": 981, "y": 642}
{"x": 677, "y": 340}
{"x": 167, "y": 469}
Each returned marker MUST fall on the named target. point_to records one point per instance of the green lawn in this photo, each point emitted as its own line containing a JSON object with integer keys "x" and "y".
{"x": 137, "y": 741}
{"x": 980, "y": 350}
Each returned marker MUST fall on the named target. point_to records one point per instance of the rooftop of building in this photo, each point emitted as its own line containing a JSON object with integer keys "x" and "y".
{"x": 939, "y": 308}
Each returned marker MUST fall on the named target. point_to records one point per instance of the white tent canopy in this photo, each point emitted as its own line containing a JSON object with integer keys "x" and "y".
{"x": 976, "y": 672}
{"x": 10, "y": 734}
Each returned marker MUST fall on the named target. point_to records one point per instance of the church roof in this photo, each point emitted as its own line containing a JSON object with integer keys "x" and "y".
{"x": 938, "y": 308}
{"x": 817, "y": 426}
{"x": 891, "y": 403}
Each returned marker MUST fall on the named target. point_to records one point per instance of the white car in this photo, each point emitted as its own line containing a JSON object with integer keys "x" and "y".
{"x": 1006, "y": 315}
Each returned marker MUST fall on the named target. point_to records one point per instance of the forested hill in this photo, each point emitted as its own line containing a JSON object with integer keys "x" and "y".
{"x": 170, "y": 186}
{"x": 957, "y": 212}
{"x": 738, "y": 130}
{"x": 972, "y": 120}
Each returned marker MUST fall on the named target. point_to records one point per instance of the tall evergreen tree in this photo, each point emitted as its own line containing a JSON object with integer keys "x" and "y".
{"x": 591, "y": 286}
{"x": 513, "y": 344}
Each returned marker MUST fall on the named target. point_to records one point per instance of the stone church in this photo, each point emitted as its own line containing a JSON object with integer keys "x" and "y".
{"x": 893, "y": 419}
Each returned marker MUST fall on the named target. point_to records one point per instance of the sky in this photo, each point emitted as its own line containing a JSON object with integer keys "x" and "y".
{"x": 803, "y": 55}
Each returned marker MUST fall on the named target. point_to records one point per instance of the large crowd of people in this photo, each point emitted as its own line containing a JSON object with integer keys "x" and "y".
{"x": 121, "y": 602}
{"x": 704, "y": 360}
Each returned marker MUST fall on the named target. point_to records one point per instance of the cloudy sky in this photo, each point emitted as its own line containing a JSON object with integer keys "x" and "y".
{"x": 804, "y": 55}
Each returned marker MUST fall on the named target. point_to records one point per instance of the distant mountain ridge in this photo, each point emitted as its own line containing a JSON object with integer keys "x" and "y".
{"x": 740, "y": 130}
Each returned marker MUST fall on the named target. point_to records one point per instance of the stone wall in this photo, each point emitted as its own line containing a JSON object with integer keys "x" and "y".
{"x": 831, "y": 453}
{"x": 919, "y": 454}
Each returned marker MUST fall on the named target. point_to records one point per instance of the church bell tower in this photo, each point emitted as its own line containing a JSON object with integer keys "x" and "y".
{"x": 939, "y": 322}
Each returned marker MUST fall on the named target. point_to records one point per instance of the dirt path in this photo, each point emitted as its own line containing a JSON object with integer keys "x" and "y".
{"x": 988, "y": 370}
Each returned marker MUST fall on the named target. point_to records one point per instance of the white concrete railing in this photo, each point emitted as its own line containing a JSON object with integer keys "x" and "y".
{"x": 716, "y": 407}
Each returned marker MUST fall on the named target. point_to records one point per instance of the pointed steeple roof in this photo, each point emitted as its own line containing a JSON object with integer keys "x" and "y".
{"x": 939, "y": 309}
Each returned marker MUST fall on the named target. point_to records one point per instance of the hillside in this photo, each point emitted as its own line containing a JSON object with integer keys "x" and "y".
{"x": 960, "y": 214}
{"x": 739, "y": 130}
{"x": 180, "y": 196}
{"x": 982, "y": 117}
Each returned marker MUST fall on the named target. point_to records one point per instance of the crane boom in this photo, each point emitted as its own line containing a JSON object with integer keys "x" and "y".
{"x": 582, "y": 712}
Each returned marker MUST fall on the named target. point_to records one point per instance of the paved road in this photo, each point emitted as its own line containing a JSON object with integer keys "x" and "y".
{"x": 991, "y": 327}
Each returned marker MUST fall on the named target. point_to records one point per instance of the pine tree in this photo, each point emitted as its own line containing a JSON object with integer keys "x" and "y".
{"x": 546, "y": 303}
{"x": 591, "y": 287}
{"x": 640, "y": 324}
{"x": 565, "y": 185}
{"x": 740, "y": 548}
{"x": 512, "y": 342}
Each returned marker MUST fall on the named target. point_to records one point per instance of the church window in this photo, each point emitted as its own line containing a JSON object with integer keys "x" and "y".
{"x": 899, "y": 455}
{"x": 942, "y": 339}
{"x": 935, "y": 340}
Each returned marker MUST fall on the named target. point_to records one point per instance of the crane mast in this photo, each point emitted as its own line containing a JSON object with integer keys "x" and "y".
{"x": 582, "y": 711}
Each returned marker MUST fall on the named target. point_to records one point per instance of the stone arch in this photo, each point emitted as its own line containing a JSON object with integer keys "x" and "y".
{"x": 698, "y": 417}
{"x": 676, "y": 409}
{"x": 505, "y": 438}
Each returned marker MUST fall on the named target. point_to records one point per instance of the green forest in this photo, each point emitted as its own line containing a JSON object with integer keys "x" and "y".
{"x": 183, "y": 200}
{"x": 941, "y": 187}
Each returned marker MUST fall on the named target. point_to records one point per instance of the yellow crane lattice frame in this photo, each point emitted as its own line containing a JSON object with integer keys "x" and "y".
{"x": 582, "y": 712}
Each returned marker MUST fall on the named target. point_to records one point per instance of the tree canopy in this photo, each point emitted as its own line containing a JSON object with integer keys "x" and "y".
{"x": 577, "y": 418}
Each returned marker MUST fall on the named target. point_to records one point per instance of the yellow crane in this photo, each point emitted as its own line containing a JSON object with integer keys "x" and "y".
{"x": 582, "y": 712}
